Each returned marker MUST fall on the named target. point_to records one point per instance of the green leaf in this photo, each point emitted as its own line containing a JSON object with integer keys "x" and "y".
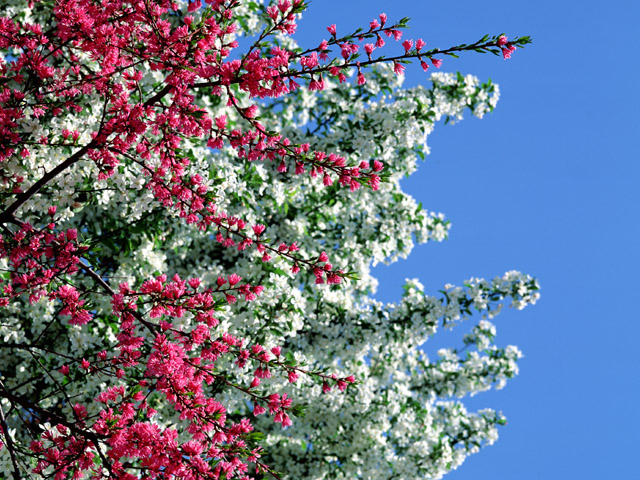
{"x": 299, "y": 410}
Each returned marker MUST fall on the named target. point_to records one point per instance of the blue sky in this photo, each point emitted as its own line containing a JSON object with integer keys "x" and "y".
{"x": 547, "y": 184}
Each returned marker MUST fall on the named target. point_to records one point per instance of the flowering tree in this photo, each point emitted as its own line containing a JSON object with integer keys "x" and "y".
{"x": 192, "y": 204}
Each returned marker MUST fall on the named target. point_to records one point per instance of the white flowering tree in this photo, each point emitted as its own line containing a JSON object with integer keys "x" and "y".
{"x": 192, "y": 205}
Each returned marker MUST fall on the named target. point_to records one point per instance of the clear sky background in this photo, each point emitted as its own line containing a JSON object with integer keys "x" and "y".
{"x": 548, "y": 184}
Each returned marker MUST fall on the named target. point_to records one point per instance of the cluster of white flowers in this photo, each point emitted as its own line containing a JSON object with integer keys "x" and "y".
{"x": 404, "y": 418}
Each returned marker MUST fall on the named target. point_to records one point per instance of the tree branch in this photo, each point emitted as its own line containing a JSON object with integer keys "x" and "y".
{"x": 10, "y": 447}
{"x": 49, "y": 415}
{"x": 7, "y": 216}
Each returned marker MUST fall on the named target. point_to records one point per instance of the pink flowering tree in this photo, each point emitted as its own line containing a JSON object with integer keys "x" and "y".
{"x": 191, "y": 206}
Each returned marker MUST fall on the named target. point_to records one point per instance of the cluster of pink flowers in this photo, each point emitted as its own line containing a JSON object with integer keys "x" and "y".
{"x": 179, "y": 366}
{"x": 506, "y": 47}
{"x": 39, "y": 262}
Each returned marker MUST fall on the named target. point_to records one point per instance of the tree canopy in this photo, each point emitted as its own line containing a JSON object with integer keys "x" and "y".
{"x": 191, "y": 207}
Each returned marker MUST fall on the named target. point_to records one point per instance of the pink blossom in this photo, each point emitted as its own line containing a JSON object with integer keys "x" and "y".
{"x": 193, "y": 6}
{"x": 293, "y": 376}
{"x": 316, "y": 85}
{"x": 258, "y": 289}
{"x": 221, "y": 122}
{"x": 258, "y": 229}
{"x": 80, "y": 411}
{"x": 251, "y": 112}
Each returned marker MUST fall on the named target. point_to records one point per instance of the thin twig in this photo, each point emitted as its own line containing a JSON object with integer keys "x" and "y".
{"x": 10, "y": 447}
